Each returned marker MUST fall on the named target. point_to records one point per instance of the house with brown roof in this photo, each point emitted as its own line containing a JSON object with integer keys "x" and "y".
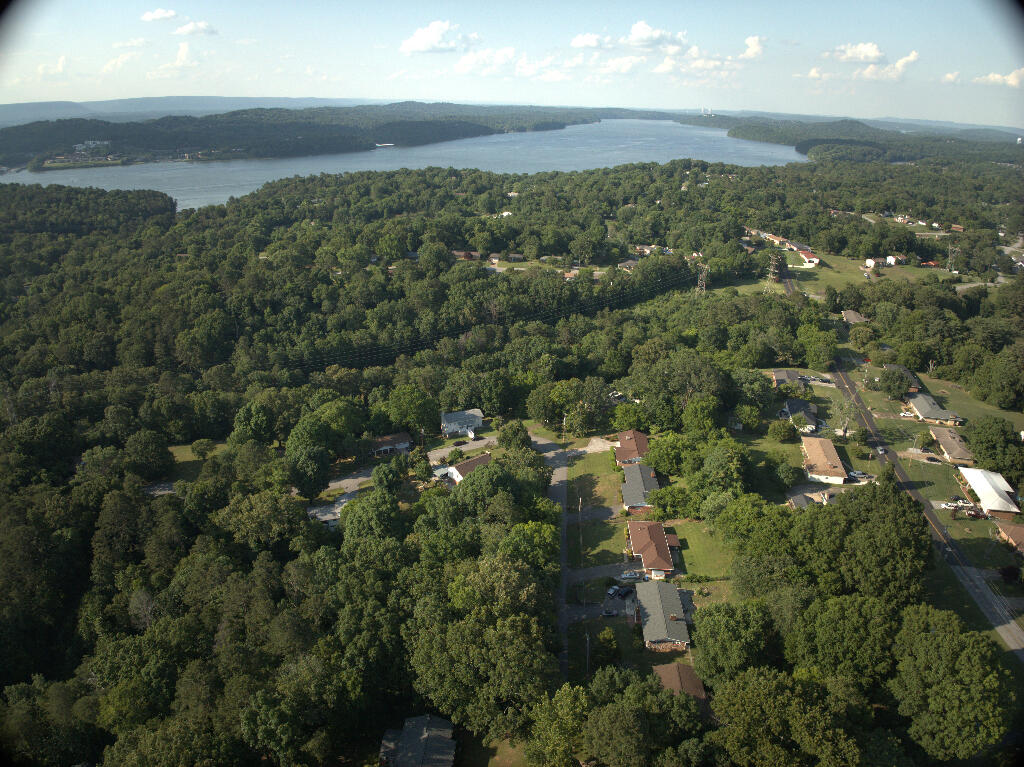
{"x": 681, "y": 678}
{"x": 460, "y": 471}
{"x": 392, "y": 443}
{"x": 952, "y": 445}
{"x": 633, "y": 446}
{"x": 821, "y": 461}
{"x": 1012, "y": 533}
{"x": 648, "y": 541}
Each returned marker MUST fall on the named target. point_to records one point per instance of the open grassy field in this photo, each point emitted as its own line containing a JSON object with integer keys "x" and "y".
{"x": 702, "y": 552}
{"x": 603, "y": 543}
{"x": 979, "y": 540}
{"x": 954, "y": 397}
{"x": 473, "y": 752}
{"x": 596, "y": 480}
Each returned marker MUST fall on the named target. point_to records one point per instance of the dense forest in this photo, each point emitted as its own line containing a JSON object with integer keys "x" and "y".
{"x": 217, "y": 624}
{"x": 287, "y": 132}
{"x": 853, "y": 140}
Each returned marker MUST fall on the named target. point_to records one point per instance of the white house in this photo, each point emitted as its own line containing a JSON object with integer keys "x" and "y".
{"x": 462, "y": 423}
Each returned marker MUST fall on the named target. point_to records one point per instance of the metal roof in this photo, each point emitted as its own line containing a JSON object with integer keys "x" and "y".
{"x": 992, "y": 490}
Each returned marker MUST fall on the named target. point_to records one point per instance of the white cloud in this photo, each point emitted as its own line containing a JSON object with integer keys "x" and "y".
{"x": 48, "y": 70}
{"x": 484, "y": 62}
{"x": 706, "y": 64}
{"x": 621, "y": 65}
{"x": 433, "y": 38}
{"x": 643, "y": 35}
{"x": 181, "y": 62}
{"x": 196, "y": 28}
{"x": 527, "y": 68}
{"x": 590, "y": 40}
{"x": 1014, "y": 79}
{"x": 116, "y": 63}
{"x": 816, "y": 74}
{"x": 754, "y": 47}
{"x": 858, "y": 52}
{"x": 553, "y": 76}
{"x": 158, "y": 15}
{"x": 135, "y": 42}
{"x": 667, "y": 65}
{"x": 951, "y": 77}
{"x": 574, "y": 62}
{"x": 889, "y": 71}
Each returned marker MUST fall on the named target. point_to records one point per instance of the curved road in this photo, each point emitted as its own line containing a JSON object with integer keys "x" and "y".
{"x": 994, "y": 606}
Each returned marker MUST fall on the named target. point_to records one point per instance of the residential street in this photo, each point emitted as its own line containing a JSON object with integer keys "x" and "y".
{"x": 995, "y": 607}
{"x": 558, "y": 460}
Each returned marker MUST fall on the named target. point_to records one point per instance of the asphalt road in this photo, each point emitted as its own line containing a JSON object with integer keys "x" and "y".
{"x": 558, "y": 460}
{"x": 995, "y": 607}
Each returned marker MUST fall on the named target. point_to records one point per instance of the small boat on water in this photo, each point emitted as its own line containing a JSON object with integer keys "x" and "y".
{"x": 380, "y": 145}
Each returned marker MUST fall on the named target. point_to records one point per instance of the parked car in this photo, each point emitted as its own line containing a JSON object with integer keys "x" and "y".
{"x": 609, "y": 613}
{"x": 906, "y": 414}
{"x": 626, "y": 592}
{"x": 630, "y": 575}
{"x": 612, "y": 592}
{"x": 881, "y": 450}
{"x": 460, "y": 442}
{"x": 949, "y": 506}
{"x": 858, "y": 474}
{"x": 964, "y": 504}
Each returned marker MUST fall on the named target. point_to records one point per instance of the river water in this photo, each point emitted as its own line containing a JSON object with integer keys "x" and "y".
{"x": 578, "y": 147}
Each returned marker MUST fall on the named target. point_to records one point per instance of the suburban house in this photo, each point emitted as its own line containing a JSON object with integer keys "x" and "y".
{"x": 928, "y": 410}
{"x": 807, "y": 410}
{"x": 956, "y": 228}
{"x": 851, "y": 317}
{"x": 629, "y": 264}
{"x": 649, "y": 541}
{"x": 1011, "y": 533}
{"x": 640, "y": 481}
{"x": 392, "y": 443}
{"x": 461, "y": 423}
{"x": 809, "y": 258}
{"x": 424, "y": 741}
{"x": 681, "y": 678}
{"x": 952, "y": 445}
{"x": 460, "y": 471}
{"x": 822, "y": 497}
{"x": 632, "y": 447}
{"x": 995, "y": 496}
{"x": 660, "y": 612}
{"x": 821, "y": 461}
{"x": 791, "y": 377}
{"x": 913, "y": 383}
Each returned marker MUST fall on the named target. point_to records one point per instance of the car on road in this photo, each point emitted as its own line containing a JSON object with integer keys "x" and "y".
{"x": 612, "y": 592}
{"x": 880, "y": 450}
{"x": 626, "y": 592}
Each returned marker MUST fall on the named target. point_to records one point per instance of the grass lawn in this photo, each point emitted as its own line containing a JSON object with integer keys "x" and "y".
{"x": 590, "y": 592}
{"x": 935, "y": 481}
{"x": 186, "y": 465}
{"x": 762, "y": 447}
{"x": 603, "y": 543}
{"x": 979, "y": 540}
{"x": 538, "y": 429}
{"x": 708, "y": 593}
{"x": 473, "y": 752}
{"x": 832, "y": 270}
{"x": 954, "y": 397}
{"x": 633, "y": 656}
{"x": 596, "y": 479}
{"x": 702, "y": 552}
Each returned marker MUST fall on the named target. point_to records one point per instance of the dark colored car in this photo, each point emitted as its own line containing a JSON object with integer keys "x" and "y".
{"x": 625, "y": 592}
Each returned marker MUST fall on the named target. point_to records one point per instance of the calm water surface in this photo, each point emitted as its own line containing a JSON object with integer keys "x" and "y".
{"x": 578, "y": 147}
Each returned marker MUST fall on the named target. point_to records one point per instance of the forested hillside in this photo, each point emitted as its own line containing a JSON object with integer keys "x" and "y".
{"x": 218, "y": 624}
{"x": 286, "y": 132}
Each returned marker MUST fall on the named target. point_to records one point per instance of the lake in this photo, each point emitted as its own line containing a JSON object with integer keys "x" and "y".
{"x": 578, "y": 147}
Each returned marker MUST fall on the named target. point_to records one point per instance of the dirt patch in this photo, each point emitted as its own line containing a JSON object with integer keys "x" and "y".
{"x": 598, "y": 445}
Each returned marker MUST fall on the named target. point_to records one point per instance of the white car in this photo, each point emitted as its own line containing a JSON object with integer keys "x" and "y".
{"x": 881, "y": 451}
{"x": 907, "y": 414}
{"x": 858, "y": 474}
{"x": 949, "y": 506}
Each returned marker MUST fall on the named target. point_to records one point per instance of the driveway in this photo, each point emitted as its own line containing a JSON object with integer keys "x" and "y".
{"x": 437, "y": 455}
{"x": 601, "y": 571}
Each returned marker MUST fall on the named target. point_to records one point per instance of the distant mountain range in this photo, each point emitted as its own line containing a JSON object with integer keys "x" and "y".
{"x": 130, "y": 110}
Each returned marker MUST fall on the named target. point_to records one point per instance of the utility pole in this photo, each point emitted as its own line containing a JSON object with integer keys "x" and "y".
{"x": 588, "y": 653}
{"x": 773, "y": 271}
{"x": 579, "y": 528}
{"x": 954, "y": 254}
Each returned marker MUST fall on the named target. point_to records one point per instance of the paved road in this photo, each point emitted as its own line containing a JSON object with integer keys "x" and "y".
{"x": 558, "y": 460}
{"x": 994, "y": 606}
{"x": 439, "y": 454}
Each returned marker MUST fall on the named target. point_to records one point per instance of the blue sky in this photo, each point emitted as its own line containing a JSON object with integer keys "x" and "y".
{"x": 942, "y": 59}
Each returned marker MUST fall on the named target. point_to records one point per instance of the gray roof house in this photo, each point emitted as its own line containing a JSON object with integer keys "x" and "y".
{"x": 928, "y": 410}
{"x": 660, "y": 610}
{"x": 808, "y": 410}
{"x": 424, "y": 741}
{"x": 640, "y": 481}
{"x": 461, "y": 422}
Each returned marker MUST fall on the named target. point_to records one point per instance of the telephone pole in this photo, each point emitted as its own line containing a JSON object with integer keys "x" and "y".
{"x": 702, "y": 279}
{"x": 954, "y": 254}
{"x": 773, "y": 272}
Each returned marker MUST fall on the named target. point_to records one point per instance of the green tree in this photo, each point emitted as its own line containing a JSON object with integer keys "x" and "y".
{"x": 893, "y": 383}
{"x": 557, "y": 725}
{"x": 513, "y": 434}
{"x": 146, "y": 454}
{"x": 732, "y": 637}
{"x": 413, "y": 408}
{"x": 781, "y": 431}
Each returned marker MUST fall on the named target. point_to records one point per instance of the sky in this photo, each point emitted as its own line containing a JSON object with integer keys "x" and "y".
{"x": 958, "y": 60}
